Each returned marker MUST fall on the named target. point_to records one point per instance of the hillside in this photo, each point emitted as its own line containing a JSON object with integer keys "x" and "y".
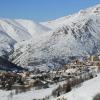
{"x": 8, "y": 66}
{"x": 87, "y": 91}
{"x": 14, "y": 31}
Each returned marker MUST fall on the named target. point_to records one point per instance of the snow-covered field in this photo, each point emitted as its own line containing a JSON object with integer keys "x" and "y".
{"x": 29, "y": 95}
{"x": 86, "y": 92}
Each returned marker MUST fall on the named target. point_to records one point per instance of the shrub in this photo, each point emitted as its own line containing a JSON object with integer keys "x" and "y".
{"x": 57, "y": 91}
{"x": 67, "y": 87}
{"x": 97, "y": 97}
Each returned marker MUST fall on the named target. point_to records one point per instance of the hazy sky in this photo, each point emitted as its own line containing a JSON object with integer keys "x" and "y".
{"x": 42, "y": 10}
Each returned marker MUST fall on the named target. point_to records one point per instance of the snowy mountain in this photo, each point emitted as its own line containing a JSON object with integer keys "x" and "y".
{"x": 74, "y": 35}
{"x": 32, "y": 27}
{"x": 14, "y": 31}
{"x": 82, "y": 14}
{"x": 38, "y": 44}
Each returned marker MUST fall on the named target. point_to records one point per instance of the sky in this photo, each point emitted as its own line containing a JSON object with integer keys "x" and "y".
{"x": 42, "y": 10}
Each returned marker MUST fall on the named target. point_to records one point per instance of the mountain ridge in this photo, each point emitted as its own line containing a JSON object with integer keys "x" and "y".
{"x": 55, "y": 41}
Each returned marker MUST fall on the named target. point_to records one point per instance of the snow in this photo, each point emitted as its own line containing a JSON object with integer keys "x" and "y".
{"x": 17, "y": 31}
{"x": 86, "y": 91}
{"x": 29, "y": 95}
{"x": 32, "y": 27}
{"x": 14, "y": 30}
{"x": 95, "y": 10}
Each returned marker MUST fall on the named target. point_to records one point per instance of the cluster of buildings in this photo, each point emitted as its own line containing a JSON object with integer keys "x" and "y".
{"x": 27, "y": 79}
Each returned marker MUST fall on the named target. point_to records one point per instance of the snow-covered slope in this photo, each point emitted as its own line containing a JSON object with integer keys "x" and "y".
{"x": 73, "y": 18}
{"x": 6, "y": 44}
{"x": 74, "y": 35}
{"x": 32, "y": 27}
{"x": 86, "y": 91}
{"x": 16, "y": 31}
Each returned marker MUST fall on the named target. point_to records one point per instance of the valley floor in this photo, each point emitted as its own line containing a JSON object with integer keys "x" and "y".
{"x": 29, "y": 95}
{"x": 86, "y": 91}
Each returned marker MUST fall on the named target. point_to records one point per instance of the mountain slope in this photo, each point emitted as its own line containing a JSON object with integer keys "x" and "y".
{"x": 8, "y": 66}
{"x": 87, "y": 91}
{"x": 14, "y": 31}
{"x": 6, "y": 44}
{"x": 74, "y": 35}
{"x": 32, "y": 27}
{"x": 73, "y": 18}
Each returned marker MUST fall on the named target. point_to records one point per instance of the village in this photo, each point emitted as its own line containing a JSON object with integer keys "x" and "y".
{"x": 73, "y": 73}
